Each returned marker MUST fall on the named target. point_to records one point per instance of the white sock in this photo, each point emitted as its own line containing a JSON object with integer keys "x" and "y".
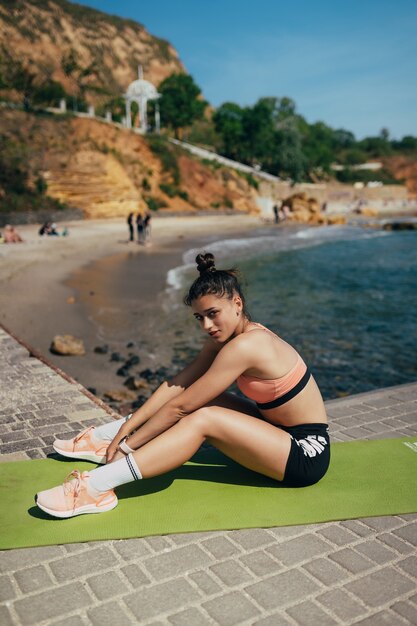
{"x": 108, "y": 431}
{"x": 114, "y": 474}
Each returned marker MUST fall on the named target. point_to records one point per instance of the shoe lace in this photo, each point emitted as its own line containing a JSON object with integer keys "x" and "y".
{"x": 72, "y": 485}
{"x": 83, "y": 434}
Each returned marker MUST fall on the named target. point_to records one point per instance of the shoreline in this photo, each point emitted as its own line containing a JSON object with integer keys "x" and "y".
{"x": 96, "y": 286}
{"x": 47, "y": 283}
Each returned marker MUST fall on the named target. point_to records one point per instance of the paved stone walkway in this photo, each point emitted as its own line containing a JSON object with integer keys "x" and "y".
{"x": 352, "y": 572}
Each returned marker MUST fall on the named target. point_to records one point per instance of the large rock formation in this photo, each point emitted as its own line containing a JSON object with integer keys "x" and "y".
{"x": 108, "y": 171}
{"x": 307, "y": 211}
{"x": 91, "y": 54}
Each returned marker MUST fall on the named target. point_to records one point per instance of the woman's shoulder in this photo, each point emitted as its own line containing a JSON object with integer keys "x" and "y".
{"x": 259, "y": 330}
{"x": 254, "y": 335}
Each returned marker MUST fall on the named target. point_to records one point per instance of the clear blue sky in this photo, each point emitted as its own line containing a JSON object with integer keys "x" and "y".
{"x": 351, "y": 64}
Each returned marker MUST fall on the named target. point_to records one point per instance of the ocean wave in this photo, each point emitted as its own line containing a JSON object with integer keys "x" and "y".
{"x": 237, "y": 249}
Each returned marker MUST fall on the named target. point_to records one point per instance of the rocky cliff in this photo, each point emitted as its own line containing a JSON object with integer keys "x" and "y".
{"x": 90, "y": 54}
{"x": 107, "y": 171}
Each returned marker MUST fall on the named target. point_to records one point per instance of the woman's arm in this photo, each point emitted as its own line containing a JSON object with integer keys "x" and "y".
{"x": 233, "y": 359}
{"x": 173, "y": 387}
{"x": 166, "y": 393}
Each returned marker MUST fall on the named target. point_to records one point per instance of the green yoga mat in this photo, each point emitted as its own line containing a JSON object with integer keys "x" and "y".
{"x": 366, "y": 478}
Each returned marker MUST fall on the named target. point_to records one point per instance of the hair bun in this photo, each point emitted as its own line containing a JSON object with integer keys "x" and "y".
{"x": 205, "y": 263}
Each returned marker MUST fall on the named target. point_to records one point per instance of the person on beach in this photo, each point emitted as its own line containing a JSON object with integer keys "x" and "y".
{"x": 130, "y": 226}
{"x": 11, "y": 235}
{"x": 279, "y": 429}
{"x": 147, "y": 226}
{"x": 140, "y": 226}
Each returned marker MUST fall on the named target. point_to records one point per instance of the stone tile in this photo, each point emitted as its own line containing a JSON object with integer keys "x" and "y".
{"x": 190, "y": 617}
{"x": 5, "y": 617}
{"x": 107, "y": 585}
{"x": 132, "y": 548}
{"x": 309, "y": 614}
{"x": 382, "y": 618}
{"x": 184, "y": 538}
{"x": 230, "y": 609}
{"x": 220, "y": 547}
{"x": 351, "y": 560}
{"x": 161, "y": 598}
{"x": 76, "y": 547}
{"x": 7, "y": 591}
{"x": 282, "y": 589}
{"x": 52, "y": 603}
{"x": 168, "y": 564}
{"x": 231, "y": 573}
{"x": 251, "y": 538}
{"x": 284, "y": 532}
{"x": 407, "y": 610}
{"x": 260, "y": 563}
{"x": 135, "y": 575}
{"x": 375, "y": 551}
{"x": 109, "y": 614}
{"x": 359, "y": 433}
{"x": 299, "y": 549}
{"x": 386, "y": 434}
{"x": 342, "y": 410}
{"x": 337, "y": 534}
{"x": 75, "y": 620}
{"x": 12, "y": 560}
{"x": 205, "y": 582}
{"x": 277, "y": 619}
{"x": 33, "y": 579}
{"x": 14, "y": 436}
{"x": 375, "y": 427}
{"x": 380, "y": 587}
{"x": 409, "y": 533}
{"x": 79, "y": 565}
{"x": 409, "y": 565}
{"x": 326, "y": 571}
{"x": 341, "y": 604}
{"x": 403, "y": 547}
{"x": 17, "y": 446}
{"x": 158, "y": 544}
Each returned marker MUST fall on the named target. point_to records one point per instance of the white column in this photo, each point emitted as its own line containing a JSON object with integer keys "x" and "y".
{"x": 157, "y": 119}
{"x": 143, "y": 117}
{"x": 63, "y": 105}
{"x": 91, "y": 111}
{"x": 128, "y": 116}
{"x": 108, "y": 116}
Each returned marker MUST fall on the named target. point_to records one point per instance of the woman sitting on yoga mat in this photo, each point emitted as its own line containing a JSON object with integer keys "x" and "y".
{"x": 279, "y": 429}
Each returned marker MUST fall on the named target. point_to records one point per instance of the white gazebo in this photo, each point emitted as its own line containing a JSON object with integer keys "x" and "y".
{"x": 140, "y": 91}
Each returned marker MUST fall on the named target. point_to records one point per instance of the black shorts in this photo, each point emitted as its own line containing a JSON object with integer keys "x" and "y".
{"x": 309, "y": 456}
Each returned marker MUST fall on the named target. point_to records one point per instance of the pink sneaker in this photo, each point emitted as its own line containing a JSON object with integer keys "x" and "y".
{"x": 74, "y": 498}
{"x": 83, "y": 446}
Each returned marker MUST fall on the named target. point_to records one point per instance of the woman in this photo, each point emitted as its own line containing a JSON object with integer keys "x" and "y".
{"x": 279, "y": 429}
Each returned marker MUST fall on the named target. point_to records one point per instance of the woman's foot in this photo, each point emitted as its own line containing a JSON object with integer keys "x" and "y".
{"x": 87, "y": 446}
{"x": 75, "y": 497}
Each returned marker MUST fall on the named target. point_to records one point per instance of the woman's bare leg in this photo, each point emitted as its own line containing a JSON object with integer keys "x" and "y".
{"x": 255, "y": 444}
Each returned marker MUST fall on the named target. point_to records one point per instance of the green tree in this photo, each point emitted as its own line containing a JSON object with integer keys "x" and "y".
{"x": 180, "y": 103}
{"x": 258, "y": 126}
{"x": 289, "y": 159}
{"x": 228, "y": 123}
{"x": 49, "y": 92}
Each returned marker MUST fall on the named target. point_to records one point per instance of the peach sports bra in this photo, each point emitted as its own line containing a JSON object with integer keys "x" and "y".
{"x": 271, "y": 393}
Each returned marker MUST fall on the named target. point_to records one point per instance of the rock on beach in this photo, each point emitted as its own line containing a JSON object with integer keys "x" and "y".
{"x": 67, "y": 345}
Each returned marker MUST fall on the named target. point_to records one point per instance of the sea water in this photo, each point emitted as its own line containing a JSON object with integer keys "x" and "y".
{"x": 344, "y": 297}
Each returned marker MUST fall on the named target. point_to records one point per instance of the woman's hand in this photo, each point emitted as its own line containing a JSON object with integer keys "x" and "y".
{"x": 113, "y": 448}
{"x": 118, "y": 455}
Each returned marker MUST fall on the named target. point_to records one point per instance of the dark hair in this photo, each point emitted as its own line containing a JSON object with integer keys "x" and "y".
{"x": 213, "y": 281}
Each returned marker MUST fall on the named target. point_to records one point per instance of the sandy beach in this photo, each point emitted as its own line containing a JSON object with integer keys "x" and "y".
{"x": 56, "y": 285}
